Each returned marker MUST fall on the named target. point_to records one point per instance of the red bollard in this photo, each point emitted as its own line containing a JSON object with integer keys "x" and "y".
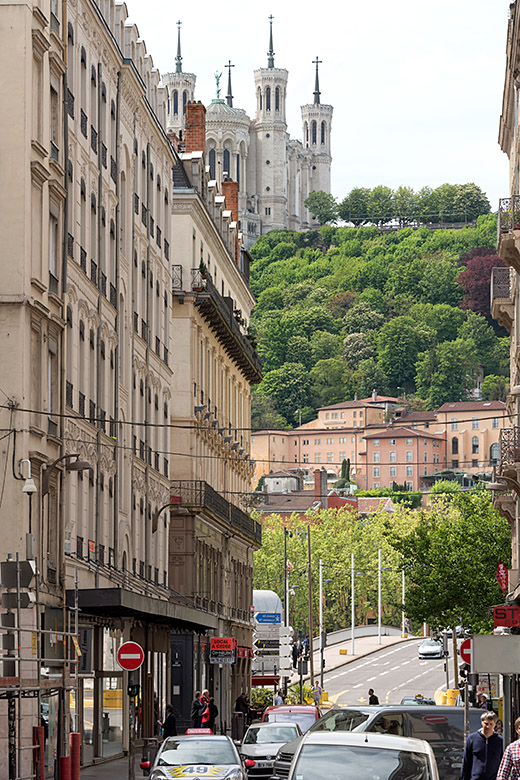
{"x": 64, "y": 767}
{"x": 39, "y": 752}
{"x": 75, "y": 755}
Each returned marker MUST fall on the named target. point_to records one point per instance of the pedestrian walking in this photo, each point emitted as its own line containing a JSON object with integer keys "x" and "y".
{"x": 212, "y": 714}
{"x": 483, "y": 751}
{"x": 196, "y": 711}
{"x": 510, "y": 764}
{"x": 169, "y": 727}
{"x": 295, "y": 655}
{"x": 278, "y": 699}
{"x": 372, "y": 698}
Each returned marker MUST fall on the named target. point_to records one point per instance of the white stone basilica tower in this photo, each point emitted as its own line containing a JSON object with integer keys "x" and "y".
{"x": 269, "y": 144}
{"x": 317, "y": 121}
{"x": 180, "y": 89}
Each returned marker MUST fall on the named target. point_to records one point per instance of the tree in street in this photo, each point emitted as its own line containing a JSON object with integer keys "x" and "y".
{"x": 450, "y": 560}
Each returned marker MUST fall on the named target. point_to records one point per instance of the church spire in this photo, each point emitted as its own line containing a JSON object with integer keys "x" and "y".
{"x": 178, "y": 58}
{"x": 229, "y": 96}
{"x": 270, "y": 53}
{"x": 317, "y": 92}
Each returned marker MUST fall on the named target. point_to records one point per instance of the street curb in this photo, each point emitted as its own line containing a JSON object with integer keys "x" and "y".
{"x": 357, "y": 657}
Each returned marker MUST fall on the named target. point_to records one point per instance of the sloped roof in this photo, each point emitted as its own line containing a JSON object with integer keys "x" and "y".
{"x": 403, "y": 432}
{"x": 472, "y": 406}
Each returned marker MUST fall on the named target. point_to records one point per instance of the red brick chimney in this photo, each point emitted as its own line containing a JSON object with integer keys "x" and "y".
{"x": 230, "y": 192}
{"x": 320, "y": 487}
{"x": 195, "y": 122}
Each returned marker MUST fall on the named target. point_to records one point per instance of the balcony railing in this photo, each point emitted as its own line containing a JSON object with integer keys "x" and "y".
{"x": 509, "y": 447}
{"x": 500, "y": 283}
{"x": 508, "y": 215}
{"x": 200, "y": 495}
{"x": 221, "y": 318}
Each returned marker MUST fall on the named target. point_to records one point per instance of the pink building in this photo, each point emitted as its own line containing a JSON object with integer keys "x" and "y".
{"x": 402, "y": 455}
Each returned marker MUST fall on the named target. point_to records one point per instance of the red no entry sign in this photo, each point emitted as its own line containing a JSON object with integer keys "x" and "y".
{"x": 465, "y": 651}
{"x": 130, "y": 656}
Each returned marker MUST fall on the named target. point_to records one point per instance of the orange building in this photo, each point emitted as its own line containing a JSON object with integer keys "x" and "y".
{"x": 401, "y": 455}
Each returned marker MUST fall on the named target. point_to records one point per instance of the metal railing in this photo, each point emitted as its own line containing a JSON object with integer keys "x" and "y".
{"x": 196, "y": 493}
{"x": 509, "y": 446}
{"x": 500, "y": 283}
{"x": 508, "y": 215}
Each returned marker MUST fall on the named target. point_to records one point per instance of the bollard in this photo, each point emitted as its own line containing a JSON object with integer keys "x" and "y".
{"x": 451, "y": 696}
{"x": 39, "y": 753}
{"x": 75, "y": 755}
{"x": 64, "y": 767}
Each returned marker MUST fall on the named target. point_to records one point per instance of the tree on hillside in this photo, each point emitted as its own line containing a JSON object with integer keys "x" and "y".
{"x": 450, "y": 560}
{"x": 264, "y": 414}
{"x": 477, "y": 328}
{"x": 475, "y": 280}
{"x": 398, "y": 344}
{"x": 439, "y": 282}
{"x": 470, "y": 202}
{"x": 368, "y": 376}
{"x": 495, "y": 388}
{"x": 323, "y": 205}
{"x": 381, "y": 207}
{"x": 361, "y": 318}
{"x": 443, "y": 319}
{"x": 289, "y": 386}
{"x": 356, "y": 347}
{"x": 447, "y": 372}
{"x": 327, "y": 384}
{"x": 405, "y": 205}
{"x": 354, "y": 207}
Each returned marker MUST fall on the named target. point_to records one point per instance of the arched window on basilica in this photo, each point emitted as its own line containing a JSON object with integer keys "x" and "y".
{"x": 277, "y": 99}
{"x": 175, "y": 103}
{"x": 212, "y": 163}
{"x": 322, "y": 132}
{"x": 184, "y": 101}
{"x": 314, "y": 132}
{"x": 268, "y": 99}
{"x": 227, "y": 164}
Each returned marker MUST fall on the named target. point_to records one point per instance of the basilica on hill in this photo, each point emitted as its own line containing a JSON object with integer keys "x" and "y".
{"x": 275, "y": 173}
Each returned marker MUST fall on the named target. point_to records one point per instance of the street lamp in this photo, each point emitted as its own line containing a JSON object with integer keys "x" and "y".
{"x": 379, "y": 570}
{"x": 353, "y": 574}
{"x": 75, "y": 465}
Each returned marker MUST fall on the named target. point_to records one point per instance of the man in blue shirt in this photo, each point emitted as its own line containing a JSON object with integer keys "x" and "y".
{"x": 483, "y": 751}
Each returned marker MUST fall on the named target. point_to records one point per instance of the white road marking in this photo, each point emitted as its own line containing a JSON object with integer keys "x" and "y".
{"x": 370, "y": 679}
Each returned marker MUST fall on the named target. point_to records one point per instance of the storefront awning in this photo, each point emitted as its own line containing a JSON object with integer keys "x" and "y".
{"x": 265, "y": 679}
{"x": 118, "y": 602}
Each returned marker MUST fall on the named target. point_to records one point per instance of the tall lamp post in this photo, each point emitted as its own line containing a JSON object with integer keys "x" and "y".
{"x": 380, "y": 569}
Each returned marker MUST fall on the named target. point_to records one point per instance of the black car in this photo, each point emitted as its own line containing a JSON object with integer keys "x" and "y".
{"x": 442, "y": 727}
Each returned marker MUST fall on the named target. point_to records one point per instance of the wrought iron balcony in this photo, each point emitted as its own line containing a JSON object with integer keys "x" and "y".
{"x": 501, "y": 301}
{"x": 197, "y": 494}
{"x": 509, "y": 448}
{"x": 220, "y": 317}
{"x": 508, "y": 222}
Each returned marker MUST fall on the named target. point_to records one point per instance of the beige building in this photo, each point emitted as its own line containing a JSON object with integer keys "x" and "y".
{"x": 126, "y": 389}
{"x": 505, "y": 293}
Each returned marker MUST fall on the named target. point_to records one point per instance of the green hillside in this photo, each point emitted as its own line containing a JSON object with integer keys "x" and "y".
{"x": 348, "y": 310}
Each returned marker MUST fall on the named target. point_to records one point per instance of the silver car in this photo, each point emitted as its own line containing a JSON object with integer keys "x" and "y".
{"x": 261, "y": 743}
{"x": 353, "y": 756}
{"x": 197, "y": 756}
{"x": 431, "y": 648}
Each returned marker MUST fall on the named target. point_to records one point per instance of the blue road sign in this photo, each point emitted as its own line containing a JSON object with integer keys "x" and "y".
{"x": 268, "y": 617}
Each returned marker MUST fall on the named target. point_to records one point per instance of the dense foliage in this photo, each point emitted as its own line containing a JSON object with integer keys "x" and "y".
{"x": 449, "y": 203}
{"x": 450, "y": 561}
{"x": 343, "y": 311}
{"x": 335, "y": 535}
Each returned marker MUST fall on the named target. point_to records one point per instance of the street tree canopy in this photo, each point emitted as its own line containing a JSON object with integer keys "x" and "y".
{"x": 323, "y": 205}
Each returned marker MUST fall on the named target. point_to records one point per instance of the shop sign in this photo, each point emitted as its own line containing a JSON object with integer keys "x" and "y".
{"x": 222, "y": 656}
{"x": 222, "y": 643}
{"x": 506, "y": 615}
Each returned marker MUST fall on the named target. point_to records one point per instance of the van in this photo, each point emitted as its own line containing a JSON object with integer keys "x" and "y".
{"x": 441, "y": 727}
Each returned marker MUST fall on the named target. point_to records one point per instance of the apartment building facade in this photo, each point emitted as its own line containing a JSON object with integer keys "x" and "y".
{"x": 505, "y": 295}
{"x": 401, "y": 455}
{"x": 113, "y": 352}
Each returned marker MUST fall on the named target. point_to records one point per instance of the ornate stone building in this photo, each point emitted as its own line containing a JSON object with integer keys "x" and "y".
{"x": 275, "y": 173}
{"x": 125, "y": 392}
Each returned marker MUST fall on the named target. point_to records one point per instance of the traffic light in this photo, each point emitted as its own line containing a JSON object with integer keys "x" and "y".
{"x": 464, "y": 670}
{"x": 134, "y": 690}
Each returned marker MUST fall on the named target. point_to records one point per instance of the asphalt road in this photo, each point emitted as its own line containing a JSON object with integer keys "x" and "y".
{"x": 393, "y": 672}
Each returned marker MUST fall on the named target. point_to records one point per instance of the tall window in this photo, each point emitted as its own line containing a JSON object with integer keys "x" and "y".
{"x": 227, "y": 163}
{"x": 377, "y": 457}
{"x": 313, "y": 132}
{"x": 474, "y": 445}
{"x": 322, "y": 139}
{"x": 175, "y": 103}
{"x": 474, "y": 423}
{"x": 393, "y": 457}
{"x": 184, "y": 101}
{"x": 268, "y": 99}
{"x": 212, "y": 163}
{"x": 409, "y": 471}
{"x": 495, "y": 422}
{"x": 237, "y": 178}
{"x": 392, "y": 471}
{"x": 454, "y": 424}
{"x": 376, "y": 471}
{"x": 454, "y": 446}
{"x": 409, "y": 456}
{"x": 277, "y": 99}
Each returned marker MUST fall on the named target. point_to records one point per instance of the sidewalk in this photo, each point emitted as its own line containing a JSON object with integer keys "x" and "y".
{"x": 117, "y": 769}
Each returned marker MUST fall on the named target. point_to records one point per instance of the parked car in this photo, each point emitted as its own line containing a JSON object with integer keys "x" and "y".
{"x": 302, "y": 714}
{"x": 431, "y": 648}
{"x": 184, "y": 756}
{"x": 460, "y": 632}
{"x": 340, "y": 756}
{"x": 262, "y": 742}
{"x": 441, "y": 727}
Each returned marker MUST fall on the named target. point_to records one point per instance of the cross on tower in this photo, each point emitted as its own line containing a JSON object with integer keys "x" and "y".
{"x": 229, "y": 96}
{"x": 317, "y": 92}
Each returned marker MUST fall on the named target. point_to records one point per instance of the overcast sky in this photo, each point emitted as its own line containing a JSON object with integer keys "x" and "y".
{"x": 416, "y": 87}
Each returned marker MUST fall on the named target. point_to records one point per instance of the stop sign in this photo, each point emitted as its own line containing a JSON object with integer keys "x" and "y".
{"x": 465, "y": 651}
{"x": 130, "y": 656}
